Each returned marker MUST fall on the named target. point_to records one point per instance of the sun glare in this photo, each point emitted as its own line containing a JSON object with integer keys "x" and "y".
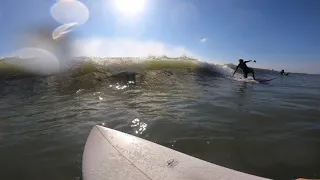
{"x": 130, "y": 7}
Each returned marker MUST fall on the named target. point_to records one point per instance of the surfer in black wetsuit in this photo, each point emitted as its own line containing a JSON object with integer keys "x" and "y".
{"x": 245, "y": 69}
{"x": 283, "y": 73}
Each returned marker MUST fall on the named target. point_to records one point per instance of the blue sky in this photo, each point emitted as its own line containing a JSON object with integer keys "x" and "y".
{"x": 281, "y": 34}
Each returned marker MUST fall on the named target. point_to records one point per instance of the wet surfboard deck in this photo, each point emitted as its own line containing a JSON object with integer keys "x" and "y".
{"x": 257, "y": 80}
{"x": 262, "y": 80}
{"x": 114, "y": 155}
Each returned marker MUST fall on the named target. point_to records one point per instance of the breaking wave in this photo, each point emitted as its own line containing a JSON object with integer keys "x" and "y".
{"x": 111, "y": 66}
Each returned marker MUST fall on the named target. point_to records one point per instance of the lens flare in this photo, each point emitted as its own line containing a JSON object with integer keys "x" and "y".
{"x": 70, "y": 11}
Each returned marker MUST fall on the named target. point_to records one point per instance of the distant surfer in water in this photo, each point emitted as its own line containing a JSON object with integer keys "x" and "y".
{"x": 245, "y": 69}
{"x": 283, "y": 73}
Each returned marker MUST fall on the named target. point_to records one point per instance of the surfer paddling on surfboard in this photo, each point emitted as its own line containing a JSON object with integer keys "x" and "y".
{"x": 245, "y": 69}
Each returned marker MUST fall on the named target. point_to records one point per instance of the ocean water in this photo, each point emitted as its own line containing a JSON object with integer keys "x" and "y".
{"x": 270, "y": 130}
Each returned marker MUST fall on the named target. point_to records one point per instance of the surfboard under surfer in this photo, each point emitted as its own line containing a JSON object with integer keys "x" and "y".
{"x": 246, "y": 70}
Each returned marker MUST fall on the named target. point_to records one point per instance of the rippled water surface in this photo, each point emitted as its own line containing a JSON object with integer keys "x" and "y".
{"x": 270, "y": 130}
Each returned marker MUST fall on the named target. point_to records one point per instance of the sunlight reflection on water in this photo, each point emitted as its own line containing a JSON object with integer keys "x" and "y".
{"x": 138, "y": 126}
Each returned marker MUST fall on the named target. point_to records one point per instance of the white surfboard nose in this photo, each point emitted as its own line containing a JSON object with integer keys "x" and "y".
{"x": 111, "y": 154}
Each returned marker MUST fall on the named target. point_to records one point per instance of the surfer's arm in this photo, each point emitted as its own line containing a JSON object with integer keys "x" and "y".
{"x": 235, "y": 70}
{"x": 249, "y": 61}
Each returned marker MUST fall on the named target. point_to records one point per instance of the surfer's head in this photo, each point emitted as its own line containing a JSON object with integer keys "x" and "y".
{"x": 240, "y": 60}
